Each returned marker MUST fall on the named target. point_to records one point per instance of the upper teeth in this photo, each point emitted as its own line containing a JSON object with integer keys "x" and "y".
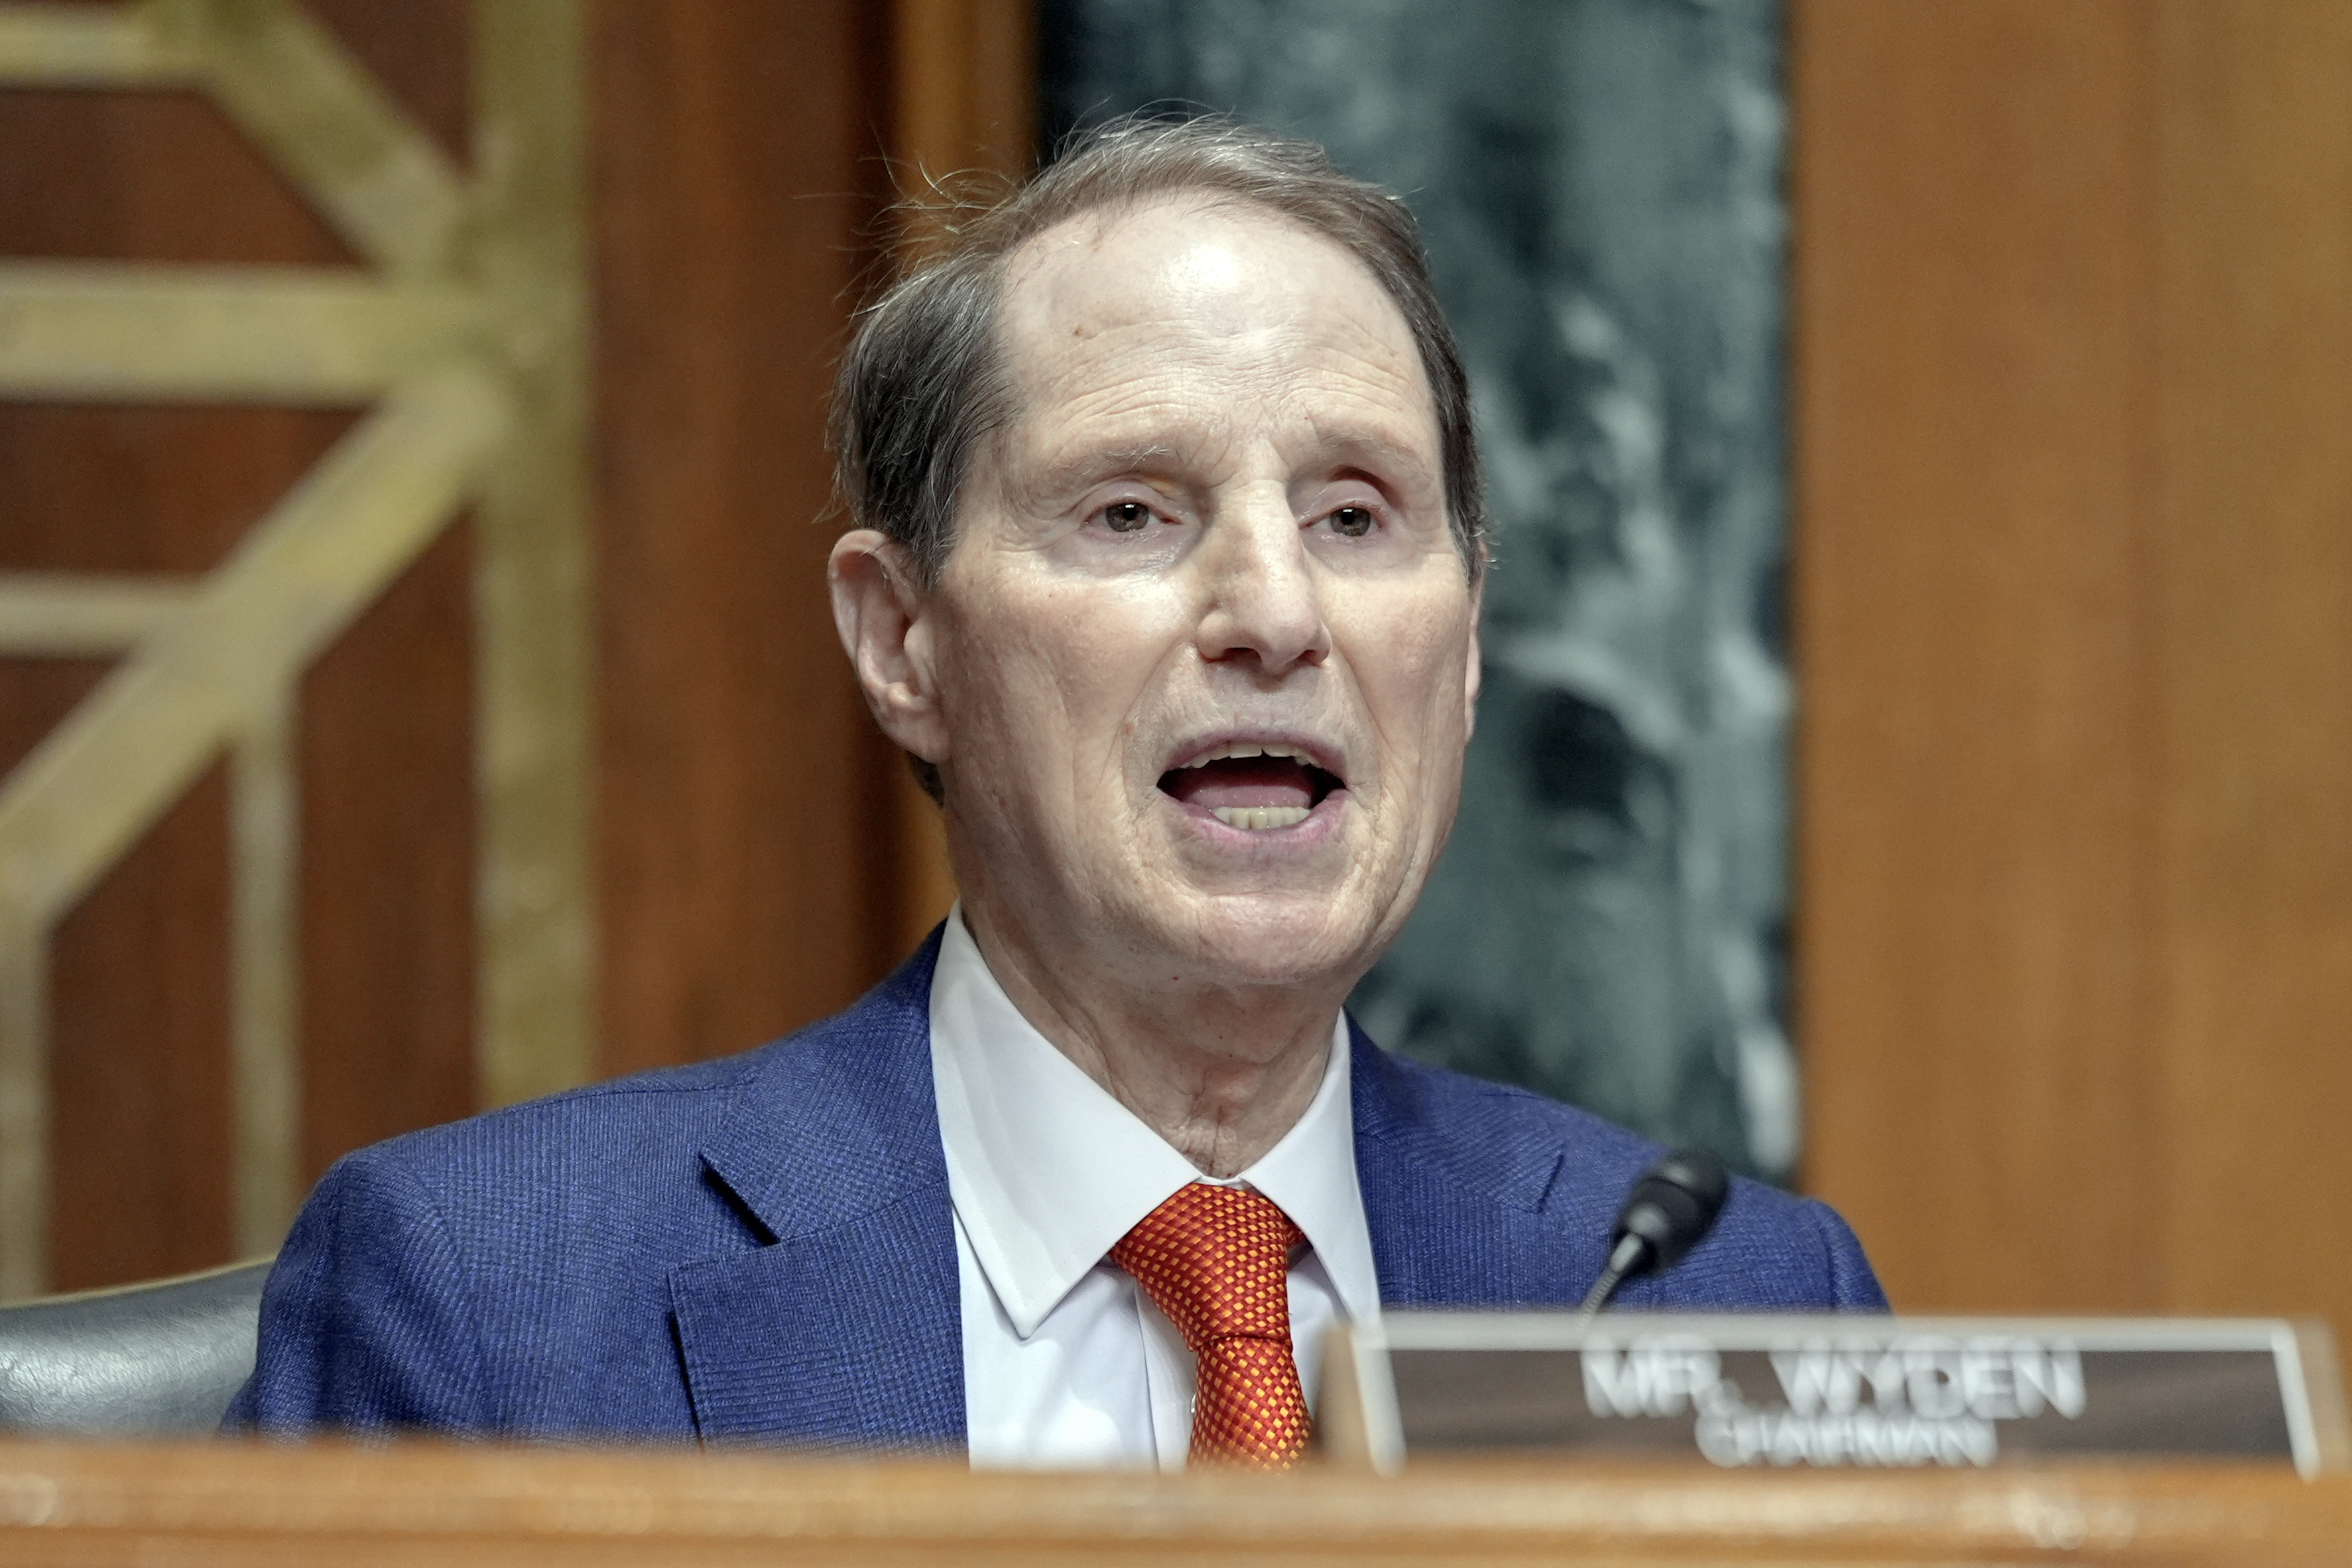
{"x": 1249, "y": 748}
{"x": 1255, "y": 819}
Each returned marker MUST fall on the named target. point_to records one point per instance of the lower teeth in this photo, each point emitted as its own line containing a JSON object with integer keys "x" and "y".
{"x": 1254, "y": 819}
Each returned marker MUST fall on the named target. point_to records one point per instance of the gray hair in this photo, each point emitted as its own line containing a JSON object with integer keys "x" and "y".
{"x": 923, "y": 381}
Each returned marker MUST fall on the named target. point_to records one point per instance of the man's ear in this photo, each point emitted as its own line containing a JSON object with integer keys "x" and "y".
{"x": 1473, "y": 667}
{"x": 886, "y": 627}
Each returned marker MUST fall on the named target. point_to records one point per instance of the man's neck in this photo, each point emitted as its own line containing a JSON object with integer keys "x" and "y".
{"x": 1220, "y": 1075}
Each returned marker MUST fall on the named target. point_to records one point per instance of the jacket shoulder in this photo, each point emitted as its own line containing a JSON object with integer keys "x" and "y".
{"x": 510, "y": 1272}
{"x": 1547, "y": 1179}
{"x": 1509, "y": 1143}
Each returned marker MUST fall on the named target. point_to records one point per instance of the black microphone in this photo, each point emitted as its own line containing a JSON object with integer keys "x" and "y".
{"x": 1670, "y": 1207}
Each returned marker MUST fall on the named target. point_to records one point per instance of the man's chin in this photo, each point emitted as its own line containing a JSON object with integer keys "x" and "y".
{"x": 1254, "y": 940}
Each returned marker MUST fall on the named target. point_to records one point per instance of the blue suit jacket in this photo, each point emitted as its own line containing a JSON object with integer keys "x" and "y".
{"x": 761, "y": 1248}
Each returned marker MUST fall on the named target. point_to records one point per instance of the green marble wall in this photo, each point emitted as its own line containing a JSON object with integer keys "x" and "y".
{"x": 1600, "y": 183}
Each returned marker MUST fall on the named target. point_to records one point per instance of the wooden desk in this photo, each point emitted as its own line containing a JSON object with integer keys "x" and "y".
{"x": 448, "y": 1507}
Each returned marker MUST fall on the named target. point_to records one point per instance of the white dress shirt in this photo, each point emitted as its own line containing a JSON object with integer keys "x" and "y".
{"x": 1065, "y": 1360}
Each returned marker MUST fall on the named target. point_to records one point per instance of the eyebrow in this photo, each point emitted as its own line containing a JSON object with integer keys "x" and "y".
{"x": 1386, "y": 451}
{"x": 1091, "y": 467}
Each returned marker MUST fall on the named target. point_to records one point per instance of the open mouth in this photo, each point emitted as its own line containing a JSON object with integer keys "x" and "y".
{"x": 1252, "y": 784}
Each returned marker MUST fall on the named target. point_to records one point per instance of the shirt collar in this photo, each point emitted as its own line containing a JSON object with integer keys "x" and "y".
{"x": 1047, "y": 1170}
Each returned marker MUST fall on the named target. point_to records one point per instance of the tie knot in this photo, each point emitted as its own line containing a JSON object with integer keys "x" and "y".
{"x": 1216, "y": 1260}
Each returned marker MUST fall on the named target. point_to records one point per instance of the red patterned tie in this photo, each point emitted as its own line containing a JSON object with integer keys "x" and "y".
{"x": 1216, "y": 1260}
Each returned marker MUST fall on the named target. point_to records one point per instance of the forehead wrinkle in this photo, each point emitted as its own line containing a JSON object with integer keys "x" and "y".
{"x": 1140, "y": 324}
{"x": 1085, "y": 466}
{"x": 1114, "y": 327}
{"x": 1186, "y": 362}
{"x": 1254, "y": 395}
{"x": 1384, "y": 447}
{"x": 1128, "y": 433}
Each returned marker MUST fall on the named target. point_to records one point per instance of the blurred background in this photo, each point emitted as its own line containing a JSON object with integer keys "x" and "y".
{"x": 1915, "y": 748}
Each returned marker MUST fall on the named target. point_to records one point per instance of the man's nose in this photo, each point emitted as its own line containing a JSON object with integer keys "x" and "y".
{"x": 1264, "y": 599}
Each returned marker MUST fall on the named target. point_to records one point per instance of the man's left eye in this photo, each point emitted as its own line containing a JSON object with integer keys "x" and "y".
{"x": 1352, "y": 522}
{"x": 1126, "y": 516}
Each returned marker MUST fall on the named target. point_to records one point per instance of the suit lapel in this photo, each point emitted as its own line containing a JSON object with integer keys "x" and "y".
{"x": 850, "y": 1338}
{"x": 1449, "y": 1226}
{"x": 1406, "y": 1201}
{"x": 846, "y": 1330}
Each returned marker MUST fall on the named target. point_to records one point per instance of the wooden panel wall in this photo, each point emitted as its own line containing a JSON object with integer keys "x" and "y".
{"x": 2073, "y": 379}
{"x": 748, "y": 878}
{"x": 139, "y": 981}
{"x": 756, "y": 869}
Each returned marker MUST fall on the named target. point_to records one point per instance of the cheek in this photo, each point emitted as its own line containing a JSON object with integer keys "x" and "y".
{"x": 1413, "y": 673}
{"x": 1050, "y": 671}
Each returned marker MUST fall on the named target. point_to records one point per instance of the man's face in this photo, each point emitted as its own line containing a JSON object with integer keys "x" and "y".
{"x": 1204, "y": 647}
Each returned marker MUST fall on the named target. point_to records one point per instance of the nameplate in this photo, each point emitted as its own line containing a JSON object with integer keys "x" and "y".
{"x": 1774, "y": 1390}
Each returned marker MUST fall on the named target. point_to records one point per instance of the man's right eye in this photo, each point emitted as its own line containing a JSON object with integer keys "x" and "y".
{"x": 1126, "y": 516}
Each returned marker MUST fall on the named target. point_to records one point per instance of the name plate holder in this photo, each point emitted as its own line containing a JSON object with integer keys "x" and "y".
{"x": 1781, "y": 1390}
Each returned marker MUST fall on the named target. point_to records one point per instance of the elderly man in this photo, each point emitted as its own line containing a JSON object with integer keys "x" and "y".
{"x": 1168, "y": 578}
